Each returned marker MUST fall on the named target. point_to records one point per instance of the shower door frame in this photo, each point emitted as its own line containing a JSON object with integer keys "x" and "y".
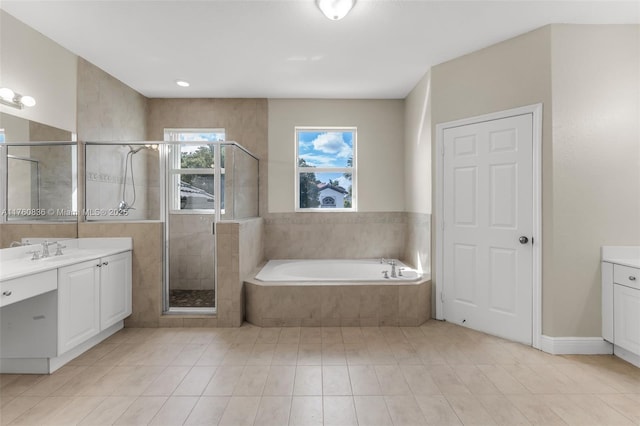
{"x": 166, "y": 175}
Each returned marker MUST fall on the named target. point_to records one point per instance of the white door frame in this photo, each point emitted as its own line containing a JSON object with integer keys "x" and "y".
{"x": 536, "y": 111}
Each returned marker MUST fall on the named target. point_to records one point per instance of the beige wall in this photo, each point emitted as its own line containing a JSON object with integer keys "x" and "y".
{"x": 510, "y": 74}
{"x": 32, "y": 64}
{"x": 417, "y": 151}
{"x": 380, "y": 148}
{"x": 244, "y": 121}
{"x": 417, "y": 175}
{"x": 108, "y": 110}
{"x": 587, "y": 78}
{"x": 596, "y": 167}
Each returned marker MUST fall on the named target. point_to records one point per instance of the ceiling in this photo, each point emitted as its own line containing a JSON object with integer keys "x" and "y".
{"x": 287, "y": 48}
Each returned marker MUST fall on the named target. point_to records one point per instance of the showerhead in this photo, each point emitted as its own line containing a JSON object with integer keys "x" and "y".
{"x": 133, "y": 150}
{"x": 151, "y": 147}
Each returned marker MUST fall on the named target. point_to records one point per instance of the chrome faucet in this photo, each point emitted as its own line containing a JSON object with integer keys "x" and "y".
{"x": 45, "y": 248}
{"x": 35, "y": 254}
{"x": 59, "y": 248}
{"x": 393, "y": 268}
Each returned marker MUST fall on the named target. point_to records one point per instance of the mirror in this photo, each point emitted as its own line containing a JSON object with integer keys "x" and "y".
{"x": 41, "y": 182}
{"x": 39, "y": 173}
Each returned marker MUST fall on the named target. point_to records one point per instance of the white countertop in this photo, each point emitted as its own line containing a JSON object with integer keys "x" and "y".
{"x": 622, "y": 255}
{"x": 16, "y": 262}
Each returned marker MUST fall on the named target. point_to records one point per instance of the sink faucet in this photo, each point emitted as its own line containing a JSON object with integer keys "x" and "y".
{"x": 59, "y": 248}
{"x": 45, "y": 248}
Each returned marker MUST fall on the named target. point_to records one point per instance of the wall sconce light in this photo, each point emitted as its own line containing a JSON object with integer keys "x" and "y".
{"x": 335, "y": 9}
{"x": 10, "y": 98}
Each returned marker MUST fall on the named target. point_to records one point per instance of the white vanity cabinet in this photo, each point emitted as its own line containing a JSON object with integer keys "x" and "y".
{"x": 115, "y": 289}
{"x": 621, "y": 301}
{"x": 78, "y": 304}
{"x": 92, "y": 296}
{"x": 55, "y": 308}
{"x": 626, "y": 308}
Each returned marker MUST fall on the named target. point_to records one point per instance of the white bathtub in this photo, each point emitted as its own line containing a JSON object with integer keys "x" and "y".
{"x": 330, "y": 293}
{"x": 331, "y": 270}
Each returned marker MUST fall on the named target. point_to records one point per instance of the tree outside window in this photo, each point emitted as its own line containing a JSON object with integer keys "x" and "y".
{"x": 325, "y": 169}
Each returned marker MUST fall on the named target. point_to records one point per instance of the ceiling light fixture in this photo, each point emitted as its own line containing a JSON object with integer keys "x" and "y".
{"x": 182, "y": 83}
{"x": 10, "y": 98}
{"x": 335, "y": 9}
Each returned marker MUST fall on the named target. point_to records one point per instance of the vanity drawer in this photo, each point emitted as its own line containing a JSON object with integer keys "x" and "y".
{"x": 626, "y": 275}
{"x": 22, "y": 288}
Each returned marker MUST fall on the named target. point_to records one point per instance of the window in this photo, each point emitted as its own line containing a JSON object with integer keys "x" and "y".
{"x": 192, "y": 169}
{"x": 325, "y": 169}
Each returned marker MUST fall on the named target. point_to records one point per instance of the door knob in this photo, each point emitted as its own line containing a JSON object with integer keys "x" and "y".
{"x": 523, "y": 240}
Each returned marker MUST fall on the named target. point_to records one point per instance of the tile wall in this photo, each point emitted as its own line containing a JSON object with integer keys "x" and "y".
{"x": 10, "y": 232}
{"x": 105, "y": 169}
{"x": 191, "y": 252}
{"x": 240, "y": 251}
{"x": 337, "y": 305}
{"x": 335, "y": 235}
{"x": 146, "y": 265}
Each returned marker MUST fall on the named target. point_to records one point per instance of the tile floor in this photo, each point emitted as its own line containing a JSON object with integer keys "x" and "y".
{"x": 435, "y": 374}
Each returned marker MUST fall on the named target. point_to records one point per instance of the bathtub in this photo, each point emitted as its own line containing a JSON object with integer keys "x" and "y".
{"x": 331, "y": 271}
{"x": 294, "y": 293}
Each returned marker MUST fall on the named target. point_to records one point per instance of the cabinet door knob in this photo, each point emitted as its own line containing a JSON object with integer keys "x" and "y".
{"x": 632, "y": 278}
{"x": 105, "y": 263}
{"x": 99, "y": 265}
{"x": 523, "y": 240}
{"x": 6, "y": 293}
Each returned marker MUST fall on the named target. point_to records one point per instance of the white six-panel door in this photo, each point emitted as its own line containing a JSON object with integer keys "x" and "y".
{"x": 487, "y": 208}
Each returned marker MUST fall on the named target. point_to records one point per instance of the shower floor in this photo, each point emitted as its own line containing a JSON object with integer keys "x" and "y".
{"x": 192, "y": 298}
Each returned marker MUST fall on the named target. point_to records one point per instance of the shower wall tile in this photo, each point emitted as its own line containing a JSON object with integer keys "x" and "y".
{"x": 240, "y": 251}
{"x": 146, "y": 266}
{"x": 107, "y": 110}
{"x": 10, "y": 232}
{"x": 191, "y": 255}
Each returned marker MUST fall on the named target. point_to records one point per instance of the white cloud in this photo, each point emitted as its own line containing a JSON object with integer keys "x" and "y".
{"x": 318, "y": 160}
{"x": 332, "y": 143}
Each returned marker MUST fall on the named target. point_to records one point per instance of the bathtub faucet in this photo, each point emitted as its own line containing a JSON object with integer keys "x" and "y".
{"x": 393, "y": 268}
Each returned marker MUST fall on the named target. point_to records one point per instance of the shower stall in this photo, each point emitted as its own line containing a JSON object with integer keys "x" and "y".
{"x": 41, "y": 181}
{"x": 188, "y": 186}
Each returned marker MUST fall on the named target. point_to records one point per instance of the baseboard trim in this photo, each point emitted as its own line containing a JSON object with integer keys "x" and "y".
{"x": 628, "y": 356}
{"x": 575, "y": 345}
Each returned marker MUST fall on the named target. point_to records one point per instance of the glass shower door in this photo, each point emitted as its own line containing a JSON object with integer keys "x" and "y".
{"x": 190, "y": 241}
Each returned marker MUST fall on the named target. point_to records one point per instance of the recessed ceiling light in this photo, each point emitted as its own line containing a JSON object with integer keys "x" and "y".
{"x": 182, "y": 83}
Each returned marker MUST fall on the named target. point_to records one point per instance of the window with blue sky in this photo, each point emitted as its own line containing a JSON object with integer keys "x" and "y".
{"x": 192, "y": 168}
{"x": 325, "y": 168}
